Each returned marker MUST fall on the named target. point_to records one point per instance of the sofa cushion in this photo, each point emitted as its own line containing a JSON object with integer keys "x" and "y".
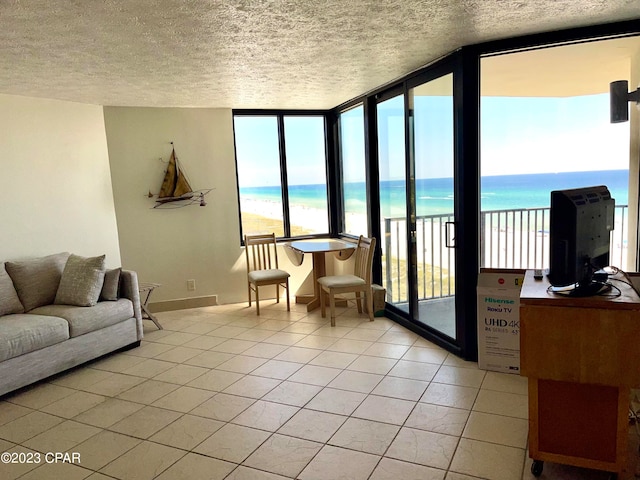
{"x": 9, "y": 301}
{"x": 36, "y": 280}
{"x": 87, "y": 319}
{"x": 81, "y": 281}
{"x": 111, "y": 285}
{"x": 24, "y": 333}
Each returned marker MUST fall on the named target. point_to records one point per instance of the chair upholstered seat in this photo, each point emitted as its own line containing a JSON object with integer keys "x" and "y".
{"x": 262, "y": 266}
{"x": 357, "y": 283}
{"x": 258, "y": 276}
{"x": 338, "y": 281}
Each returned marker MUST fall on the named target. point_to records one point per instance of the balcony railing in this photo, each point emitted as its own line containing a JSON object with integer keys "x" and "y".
{"x": 516, "y": 238}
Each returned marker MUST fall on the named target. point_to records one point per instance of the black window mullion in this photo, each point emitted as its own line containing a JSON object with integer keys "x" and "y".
{"x": 466, "y": 97}
{"x": 372, "y": 172}
{"x": 283, "y": 177}
{"x": 410, "y": 174}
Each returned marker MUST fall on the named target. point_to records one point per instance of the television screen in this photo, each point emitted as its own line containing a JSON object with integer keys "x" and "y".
{"x": 579, "y": 237}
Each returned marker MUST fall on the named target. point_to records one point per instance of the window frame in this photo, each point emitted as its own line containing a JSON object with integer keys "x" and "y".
{"x": 339, "y": 176}
{"x": 284, "y": 184}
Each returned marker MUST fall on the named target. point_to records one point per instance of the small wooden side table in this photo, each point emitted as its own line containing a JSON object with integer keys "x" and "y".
{"x": 148, "y": 288}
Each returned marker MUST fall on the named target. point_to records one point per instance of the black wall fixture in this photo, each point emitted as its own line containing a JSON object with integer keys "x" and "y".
{"x": 619, "y": 96}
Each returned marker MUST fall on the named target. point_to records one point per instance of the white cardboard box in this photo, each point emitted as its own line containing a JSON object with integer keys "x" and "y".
{"x": 499, "y": 320}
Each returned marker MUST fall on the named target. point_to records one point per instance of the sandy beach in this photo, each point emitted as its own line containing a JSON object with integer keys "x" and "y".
{"x": 260, "y": 216}
{"x": 511, "y": 245}
{"x": 505, "y": 247}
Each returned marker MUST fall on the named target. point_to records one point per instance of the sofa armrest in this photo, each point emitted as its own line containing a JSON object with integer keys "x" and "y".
{"x": 129, "y": 289}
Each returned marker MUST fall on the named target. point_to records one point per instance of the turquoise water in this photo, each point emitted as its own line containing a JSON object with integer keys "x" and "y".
{"x": 435, "y": 196}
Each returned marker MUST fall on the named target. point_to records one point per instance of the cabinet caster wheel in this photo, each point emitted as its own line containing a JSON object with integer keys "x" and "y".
{"x": 536, "y": 468}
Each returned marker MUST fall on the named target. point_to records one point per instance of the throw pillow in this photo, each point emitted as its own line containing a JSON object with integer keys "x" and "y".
{"x": 9, "y": 301}
{"x": 37, "y": 280}
{"x": 111, "y": 285}
{"x": 81, "y": 281}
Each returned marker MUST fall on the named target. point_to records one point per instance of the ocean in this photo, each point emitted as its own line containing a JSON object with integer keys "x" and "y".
{"x": 435, "y": 195}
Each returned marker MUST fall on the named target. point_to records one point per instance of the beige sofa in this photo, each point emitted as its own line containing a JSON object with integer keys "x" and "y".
{"x": 60, "y": 311}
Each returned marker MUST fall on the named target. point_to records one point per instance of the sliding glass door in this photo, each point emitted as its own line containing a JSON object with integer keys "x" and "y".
{"x": 415, "y": 135}
{"x": 393, "y": 200}
{"x": 431, "y": 163}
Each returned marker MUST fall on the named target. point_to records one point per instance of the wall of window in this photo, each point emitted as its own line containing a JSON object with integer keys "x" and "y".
{"x": 282, "y": 175}
{"x": 547, "y": 129}
{"x": 361, "y": 160}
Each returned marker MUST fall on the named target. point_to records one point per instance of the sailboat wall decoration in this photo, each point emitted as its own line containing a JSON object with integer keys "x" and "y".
{"x": 175, "y": 191}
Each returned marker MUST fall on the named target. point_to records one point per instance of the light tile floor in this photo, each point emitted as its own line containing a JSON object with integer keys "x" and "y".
{"x": 221, "y": 393}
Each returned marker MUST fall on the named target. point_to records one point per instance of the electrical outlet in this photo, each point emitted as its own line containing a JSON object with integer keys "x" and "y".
{"x": 191, "y": 285}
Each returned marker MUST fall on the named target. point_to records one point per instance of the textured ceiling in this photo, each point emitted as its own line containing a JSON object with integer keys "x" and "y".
{"x": 253, "y": 54}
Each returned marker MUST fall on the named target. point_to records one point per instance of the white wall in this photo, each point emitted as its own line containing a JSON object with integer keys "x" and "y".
{"x": 172, "y": 246}
{"x": 55, "y": 189}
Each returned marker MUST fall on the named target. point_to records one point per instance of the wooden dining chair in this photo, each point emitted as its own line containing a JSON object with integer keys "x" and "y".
{"x": 356, "y": 283}
{"x": 262, "y": 266}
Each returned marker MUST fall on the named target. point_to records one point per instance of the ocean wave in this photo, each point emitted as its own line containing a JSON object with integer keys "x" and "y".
{"x": 427, "y": 197}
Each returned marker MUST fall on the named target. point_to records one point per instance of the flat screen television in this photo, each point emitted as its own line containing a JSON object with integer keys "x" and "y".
{"x": 580, "y": 228}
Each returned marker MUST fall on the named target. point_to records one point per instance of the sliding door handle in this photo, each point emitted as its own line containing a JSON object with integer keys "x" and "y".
{"x": 450, "y": 234}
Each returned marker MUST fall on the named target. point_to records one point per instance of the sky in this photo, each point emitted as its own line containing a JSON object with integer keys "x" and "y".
{"x": 545, "y": 135}
{"x": 518, "y": 136}
{"x": 257, "y": 150}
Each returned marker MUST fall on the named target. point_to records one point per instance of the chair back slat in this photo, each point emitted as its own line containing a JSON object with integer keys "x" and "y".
{"x": 266, "y": 256}
{"x": 261, "y": 252}
{"x": 364, "y": 258}
{"x": 261, "y": 257}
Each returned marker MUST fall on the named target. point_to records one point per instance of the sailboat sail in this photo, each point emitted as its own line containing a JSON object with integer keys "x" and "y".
{"x": 175, "y": 185}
